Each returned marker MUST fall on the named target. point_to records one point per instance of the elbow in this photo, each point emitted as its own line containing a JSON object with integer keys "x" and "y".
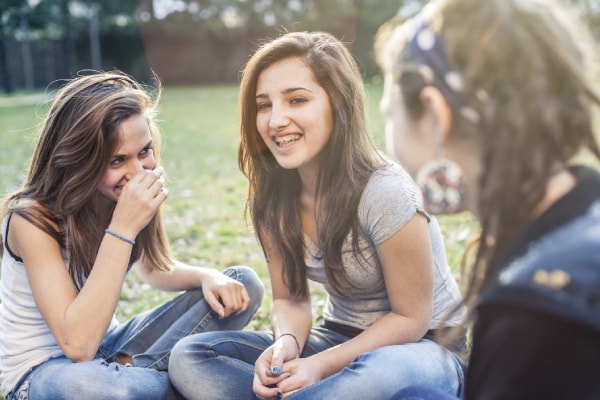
{"x": 422, "y": 324}
{"x": 78, "y": 352}
{"x": 422, "y": 329}
{"x": 419, "y": 326}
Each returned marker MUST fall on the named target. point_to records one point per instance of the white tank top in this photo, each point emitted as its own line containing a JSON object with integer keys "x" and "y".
{"x": 25, "y": 339}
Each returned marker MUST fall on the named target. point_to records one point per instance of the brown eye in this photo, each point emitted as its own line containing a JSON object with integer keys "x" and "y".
{"x": 263, "y": 106}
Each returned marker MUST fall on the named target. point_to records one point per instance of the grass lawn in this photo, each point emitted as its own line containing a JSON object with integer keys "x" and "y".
{"x": 204, "y": 212}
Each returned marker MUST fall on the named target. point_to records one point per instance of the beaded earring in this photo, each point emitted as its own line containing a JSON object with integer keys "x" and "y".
{"x": 442, "y": 183}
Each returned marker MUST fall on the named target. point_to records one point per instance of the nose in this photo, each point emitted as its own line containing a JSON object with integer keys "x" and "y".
{"x": 278, "y": 118}
{"x": 133, "y": 167}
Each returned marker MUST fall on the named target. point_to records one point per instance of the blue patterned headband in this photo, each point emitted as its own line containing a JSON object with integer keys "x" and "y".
{"x": 427, "y": 51}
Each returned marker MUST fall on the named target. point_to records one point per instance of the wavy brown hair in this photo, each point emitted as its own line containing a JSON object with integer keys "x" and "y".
{"x": 529, "y": 73}
{"x": 73, "y": 151}
{"x": 346, "y": 162}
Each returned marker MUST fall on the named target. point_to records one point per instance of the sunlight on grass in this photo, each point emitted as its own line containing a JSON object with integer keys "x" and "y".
{"x": 204, "y": 214}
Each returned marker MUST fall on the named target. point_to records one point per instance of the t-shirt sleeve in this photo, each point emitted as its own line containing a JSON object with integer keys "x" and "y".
{"x": 390, "y": 199}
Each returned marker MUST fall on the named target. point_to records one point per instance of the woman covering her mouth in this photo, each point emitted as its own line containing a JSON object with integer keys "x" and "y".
{"x": 89, "y": 211}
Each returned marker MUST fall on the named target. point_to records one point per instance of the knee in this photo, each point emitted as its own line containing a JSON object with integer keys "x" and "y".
{"x": 192, "y": 350}
{"x": 188, "y": 361}
{"x": 183, "y": 352}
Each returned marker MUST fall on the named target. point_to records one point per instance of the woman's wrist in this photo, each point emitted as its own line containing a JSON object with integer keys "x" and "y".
{"x": 295, "y": 340}
{"x": 119, "y": 236}
{"x": 121, "y": 230}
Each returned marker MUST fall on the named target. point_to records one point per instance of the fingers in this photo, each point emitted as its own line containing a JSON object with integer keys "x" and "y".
{"x": 139, "y": 200}
{"x": 264, "y": 390}
{"x": 239, "y": 300}
{"x": 286, "y": 386}
{"x": 282, "y": 351}
{"x": 215, "y": 304}
{"x": 234, "y": 298}
{"x": 151, "y": 180}
{"x": 269, "y": 388}
{"x": 273, "y": 388}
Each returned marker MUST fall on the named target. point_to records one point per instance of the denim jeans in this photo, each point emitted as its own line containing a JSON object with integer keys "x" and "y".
{"x": 220, "y": 365}
{"x": 422, "y": 393}
{"x": 148, "y": 338}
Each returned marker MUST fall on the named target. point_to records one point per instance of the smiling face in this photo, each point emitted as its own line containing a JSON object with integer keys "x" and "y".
{"x": 133, "y": 153}
{"x": 294, "y": 116}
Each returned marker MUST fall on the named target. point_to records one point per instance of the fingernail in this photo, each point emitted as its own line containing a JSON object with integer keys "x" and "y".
{"x": 279, "y": 394}
{"x": 276, "y": 370}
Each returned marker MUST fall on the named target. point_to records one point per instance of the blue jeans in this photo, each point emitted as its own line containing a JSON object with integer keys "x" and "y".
{"x": 220, "y": 365}
{"x": 148, "y": 338}
{"x": 419, "y": 392}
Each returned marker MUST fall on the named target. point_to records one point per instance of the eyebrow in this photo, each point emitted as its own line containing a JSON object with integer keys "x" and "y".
{"x": 148, "y": 145}
{"x": 285, "y": 91}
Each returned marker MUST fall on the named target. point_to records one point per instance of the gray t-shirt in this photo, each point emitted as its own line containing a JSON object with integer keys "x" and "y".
{"x": 389, "y": 201}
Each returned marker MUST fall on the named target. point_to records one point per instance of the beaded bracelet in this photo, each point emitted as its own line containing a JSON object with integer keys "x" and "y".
{"x": 295, "y": 340}
{"x": 123, "y": 238}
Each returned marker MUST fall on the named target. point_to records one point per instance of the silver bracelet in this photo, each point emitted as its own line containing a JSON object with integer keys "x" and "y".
{"x": 123, "y": 238}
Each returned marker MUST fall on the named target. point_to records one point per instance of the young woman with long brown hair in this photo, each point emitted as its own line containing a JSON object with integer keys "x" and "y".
{"x": 89, "y": 211}
{"x": 328, "y": 208}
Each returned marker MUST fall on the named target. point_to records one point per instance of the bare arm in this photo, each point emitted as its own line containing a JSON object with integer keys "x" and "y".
{"x": 224, "y": 294}
{"x": 289, "y": 314}
{"x": 406, "y": 259}
{"x": 79, "y": 321}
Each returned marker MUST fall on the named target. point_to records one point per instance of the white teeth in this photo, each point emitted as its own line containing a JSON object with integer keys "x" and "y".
{"x": 284, "y": 141}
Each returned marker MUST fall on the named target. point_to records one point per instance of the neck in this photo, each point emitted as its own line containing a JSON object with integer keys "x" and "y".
{"x": 308, "y": 177}
{"x": 557, "y": 186}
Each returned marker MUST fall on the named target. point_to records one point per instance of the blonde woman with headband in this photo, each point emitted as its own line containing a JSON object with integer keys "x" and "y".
{"x": 487, "y": 103}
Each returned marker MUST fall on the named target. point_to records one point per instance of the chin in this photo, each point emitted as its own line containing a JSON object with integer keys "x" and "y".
{"x": 287, "y": 165}
{"x": 108, "y": 197}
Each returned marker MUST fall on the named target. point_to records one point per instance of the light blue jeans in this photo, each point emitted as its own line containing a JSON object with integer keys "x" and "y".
{"x": 148, "y": 338}
{"x": 419, "y": 392}
{"x": 220, "y": 365}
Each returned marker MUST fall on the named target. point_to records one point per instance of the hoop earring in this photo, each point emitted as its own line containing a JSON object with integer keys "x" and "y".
{"x": 442, "y": 183}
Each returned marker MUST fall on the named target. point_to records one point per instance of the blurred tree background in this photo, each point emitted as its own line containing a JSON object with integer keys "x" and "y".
{"x": 183, "y": 41}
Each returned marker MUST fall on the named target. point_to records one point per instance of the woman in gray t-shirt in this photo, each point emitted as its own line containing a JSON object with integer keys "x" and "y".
{"x": 328, "y": 207}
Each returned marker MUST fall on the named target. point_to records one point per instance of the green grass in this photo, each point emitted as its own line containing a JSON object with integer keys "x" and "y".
{"x": 204, "y": 212}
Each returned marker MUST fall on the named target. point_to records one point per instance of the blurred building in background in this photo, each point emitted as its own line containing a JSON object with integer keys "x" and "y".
{"x": 182, "y": 41}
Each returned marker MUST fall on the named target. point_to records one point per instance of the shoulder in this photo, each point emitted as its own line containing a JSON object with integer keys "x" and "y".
{"x": 391, "y": 182}
{"x": 389, "y": 201}
{"x": 559, "y": 274}
{"x": 29, "y": 222}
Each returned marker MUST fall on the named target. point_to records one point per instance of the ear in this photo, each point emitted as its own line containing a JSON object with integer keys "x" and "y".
{"x": 439, "y": 111}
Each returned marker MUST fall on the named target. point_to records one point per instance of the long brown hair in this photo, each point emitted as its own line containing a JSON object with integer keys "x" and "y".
{"x": 74, "y": 148}
{"x": 347, "y": 160}
{"x": 529, "y": 74}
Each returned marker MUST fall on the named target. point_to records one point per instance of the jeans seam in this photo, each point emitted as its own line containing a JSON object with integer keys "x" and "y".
{"x": 197, "y": 328}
